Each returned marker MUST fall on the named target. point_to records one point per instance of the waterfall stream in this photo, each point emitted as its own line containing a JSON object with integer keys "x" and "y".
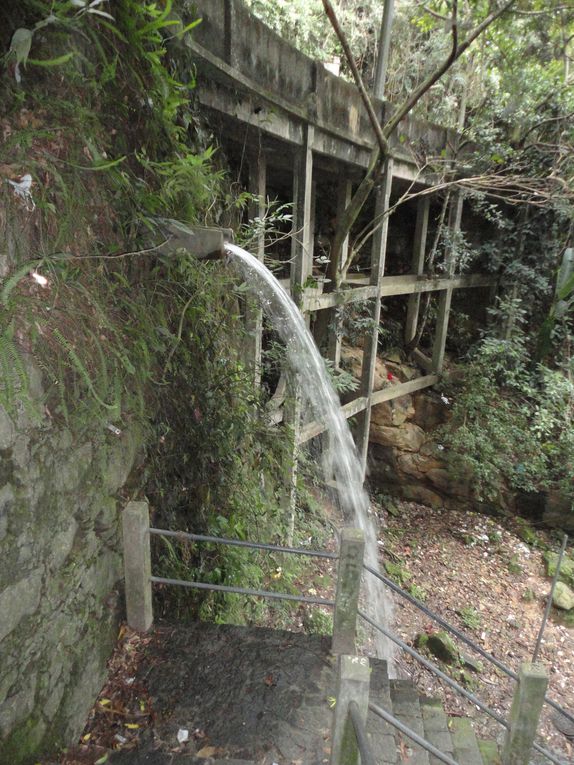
{"x": 341, "y": 460}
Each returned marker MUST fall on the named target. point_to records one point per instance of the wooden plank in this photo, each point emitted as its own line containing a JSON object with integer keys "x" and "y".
{"x": 315, "y": 428}
{"x": 403, "y": 389}
{"x": 418, "y": 264}
{"x": 358, "y": 405}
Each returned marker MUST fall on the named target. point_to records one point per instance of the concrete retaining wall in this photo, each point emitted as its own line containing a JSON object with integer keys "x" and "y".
{"x": 60, "y": 562}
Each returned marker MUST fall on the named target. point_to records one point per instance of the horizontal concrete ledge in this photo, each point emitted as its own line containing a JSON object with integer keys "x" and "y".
{"x": 341, "y": 297}
{"x": 406, "y": 284}
{"x": 412, "y": 283}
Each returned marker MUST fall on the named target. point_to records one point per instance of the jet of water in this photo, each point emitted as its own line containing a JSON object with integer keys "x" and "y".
{"x": 341, "y": 460}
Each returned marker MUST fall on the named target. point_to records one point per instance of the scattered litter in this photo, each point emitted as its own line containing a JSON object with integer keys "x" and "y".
{"x": 182, "y": 735}
{"x": 116, "y": 432}
{"x": 22, "y": 190}
{"x": 130, "y": 680}
{"x": 444, "y": 399}
{"x": 39, "y": 278}
{"x": 120, "y": 739}
{"x": 440, "y": 447}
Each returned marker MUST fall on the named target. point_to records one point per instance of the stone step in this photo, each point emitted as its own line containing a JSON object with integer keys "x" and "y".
{"x": 489, "y": 752}
{"x": 135, "y": 757}
{"x": 436, "y": 729}
{"x": 406, "y": 707}
{"x": 466, "y": 750}
{"x": 381, "y": 734}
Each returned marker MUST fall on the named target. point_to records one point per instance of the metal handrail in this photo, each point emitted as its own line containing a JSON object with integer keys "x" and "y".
{"x": 241, "y": 543}
{"x": 396, "y": 723}
{"x": 452, "y": 683}
{"x": 460, "y": 635}
{"x": 242, "y": 591}
{"x": 363, "y": 744}
{"x": 433, "y": 668}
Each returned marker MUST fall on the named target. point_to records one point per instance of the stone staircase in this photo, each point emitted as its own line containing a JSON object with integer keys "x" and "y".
{"x": 265, "y": 696}
{"x": 453, "y": 736}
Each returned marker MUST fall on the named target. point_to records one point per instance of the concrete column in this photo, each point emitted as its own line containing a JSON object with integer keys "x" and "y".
{"x": 445, "y": 298}
{"x": 370, "y": 344}
{"x": 418, "y": 264}
{"x": 348, "y": 587}
{"x": 303, "y": 223}
{"x": 524, "y": 714}
{"x": 334, "y": 330}
{"x": 253, "y": 312}
{"x": 301, "y": 269}
{"x": 353, "y": 682}
{"x": 137, "y": 565}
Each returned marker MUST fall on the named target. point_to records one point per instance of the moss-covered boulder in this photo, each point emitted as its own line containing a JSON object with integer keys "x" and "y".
{"x": 563, "y": 597}
{"x": 441, "y": 645}
{"x": 566, "y": 567}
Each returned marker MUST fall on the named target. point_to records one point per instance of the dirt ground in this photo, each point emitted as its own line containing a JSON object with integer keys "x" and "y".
{"x": 478, "y": 574}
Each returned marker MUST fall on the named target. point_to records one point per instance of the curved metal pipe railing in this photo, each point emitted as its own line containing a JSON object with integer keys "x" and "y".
{"x": 460, "y": 635}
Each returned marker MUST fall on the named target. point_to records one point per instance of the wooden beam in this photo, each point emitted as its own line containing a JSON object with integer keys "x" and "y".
{"x": 315, "y": 428}
{"x": 403, "y": 389}
{"x": 418, "y": 265}
{"x": 358, "y": 405}
{"x": 378, "y": 256}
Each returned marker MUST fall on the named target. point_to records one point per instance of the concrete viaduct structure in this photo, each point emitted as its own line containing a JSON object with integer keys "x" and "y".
{"x": 288, "y": 114}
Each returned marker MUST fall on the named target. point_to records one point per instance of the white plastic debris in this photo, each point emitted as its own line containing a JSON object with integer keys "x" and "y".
{"x": 39, "y": 278}
{"x": 22, "y": 190}
{"x": 444, "y": 399}
{"x": 182, "y": 735}
{"x": 113, "y": 429}
{"x": 120, "y": 739}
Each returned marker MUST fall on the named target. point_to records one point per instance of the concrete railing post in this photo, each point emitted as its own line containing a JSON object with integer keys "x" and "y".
{"x": 524, "y": 714}
{"x": 137, "y": 565}
{"x": 352, "y": 685}
{"x": 348, "y": 587}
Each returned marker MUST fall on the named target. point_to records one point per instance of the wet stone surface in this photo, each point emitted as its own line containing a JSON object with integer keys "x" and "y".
{"x": 242, "y": 693}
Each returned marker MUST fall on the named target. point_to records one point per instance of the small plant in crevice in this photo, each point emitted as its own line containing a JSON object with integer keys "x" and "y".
{"x": 470, "y": 617}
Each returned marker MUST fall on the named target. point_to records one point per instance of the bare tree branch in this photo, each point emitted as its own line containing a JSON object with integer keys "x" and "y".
{"x": 382, "y": 141}
{"x": 378, "y": 156}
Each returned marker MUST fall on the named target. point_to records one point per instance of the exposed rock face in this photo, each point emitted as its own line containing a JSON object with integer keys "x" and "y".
{"x": 60, "y": 562}
{"x": 405, "y": 459}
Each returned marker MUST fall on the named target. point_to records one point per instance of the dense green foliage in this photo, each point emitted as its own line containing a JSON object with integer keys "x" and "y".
{"x": 100, "y": 114}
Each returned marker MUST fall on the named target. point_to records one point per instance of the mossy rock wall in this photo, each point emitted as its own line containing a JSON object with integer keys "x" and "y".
{"x": 60, "y": 566}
